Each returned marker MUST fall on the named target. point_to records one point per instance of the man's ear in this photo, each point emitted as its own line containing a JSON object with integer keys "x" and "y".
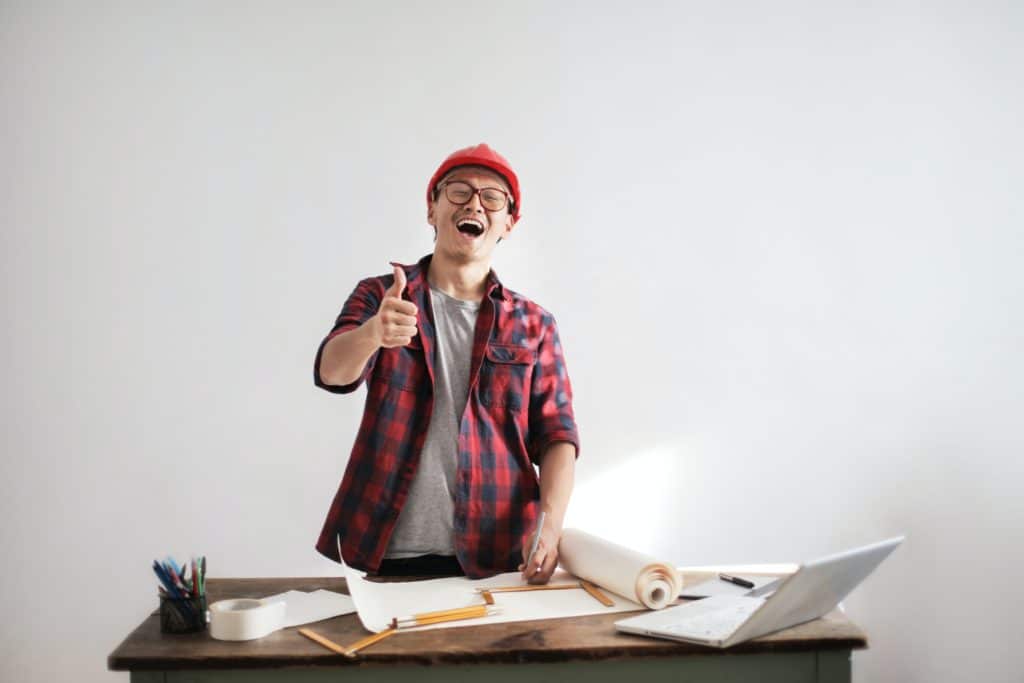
{"x": 510, "y": 223}
{"x": 430, "y": 215}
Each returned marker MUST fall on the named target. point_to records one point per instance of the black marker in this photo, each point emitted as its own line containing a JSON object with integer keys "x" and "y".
{"x": 737, "y": 580}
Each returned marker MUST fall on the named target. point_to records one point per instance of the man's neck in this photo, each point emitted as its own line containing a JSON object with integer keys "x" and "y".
{"x": 466, "y": 281}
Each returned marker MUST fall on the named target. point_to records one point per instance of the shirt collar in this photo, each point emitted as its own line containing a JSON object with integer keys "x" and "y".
{"x": 416, "y": 277}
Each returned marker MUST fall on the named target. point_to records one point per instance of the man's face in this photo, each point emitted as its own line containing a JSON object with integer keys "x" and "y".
{"x": 468, "y": 232}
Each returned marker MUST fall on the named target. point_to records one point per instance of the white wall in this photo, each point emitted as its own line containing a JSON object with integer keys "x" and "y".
{"x": 781, "y": 241}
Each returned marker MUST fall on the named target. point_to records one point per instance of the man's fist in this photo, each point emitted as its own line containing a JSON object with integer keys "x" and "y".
{"x": 395, "y": 322}
{"x": 545, "y": 559}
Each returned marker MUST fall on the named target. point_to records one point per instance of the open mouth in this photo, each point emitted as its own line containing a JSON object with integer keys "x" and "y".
{"x": 470, "y": 227}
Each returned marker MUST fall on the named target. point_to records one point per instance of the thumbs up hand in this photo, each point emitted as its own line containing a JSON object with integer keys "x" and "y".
{"x": 395, "y": 321}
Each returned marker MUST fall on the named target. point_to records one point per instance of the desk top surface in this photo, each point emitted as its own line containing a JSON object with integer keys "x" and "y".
{"x": 577, "y": 638}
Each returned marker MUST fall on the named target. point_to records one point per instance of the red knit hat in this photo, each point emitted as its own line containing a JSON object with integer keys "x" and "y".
{"x": 479, "y": 155}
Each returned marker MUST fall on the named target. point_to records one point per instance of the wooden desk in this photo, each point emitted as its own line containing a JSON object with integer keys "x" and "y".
{"x": 560, "y": 650}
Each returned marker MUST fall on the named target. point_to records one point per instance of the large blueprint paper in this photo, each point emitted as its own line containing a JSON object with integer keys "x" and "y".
{"x": 615, "y": 569}
{"x": 378, "y": 603}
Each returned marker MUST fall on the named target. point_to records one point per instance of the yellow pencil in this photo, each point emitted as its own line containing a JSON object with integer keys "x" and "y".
{"x": 440, "y": 613}
{"x": 597, "y": 594}
{"x": 426, "y": 618}
{"x": 352, "y": 649}
{"x": 538, "y": 587}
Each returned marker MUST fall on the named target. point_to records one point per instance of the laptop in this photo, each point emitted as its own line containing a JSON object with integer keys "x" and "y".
{"x": 722, "y": 621}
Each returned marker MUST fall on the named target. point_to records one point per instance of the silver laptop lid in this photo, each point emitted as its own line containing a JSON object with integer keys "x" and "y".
{"x": 815, "y": 589}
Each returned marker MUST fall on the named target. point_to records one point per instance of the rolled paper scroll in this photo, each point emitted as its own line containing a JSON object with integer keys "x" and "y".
{"x": 633, "y": 575}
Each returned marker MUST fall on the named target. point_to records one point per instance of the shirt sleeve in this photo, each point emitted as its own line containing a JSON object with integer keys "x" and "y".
{"x": 361, "y": 305}
{"x": 551, "y": 414}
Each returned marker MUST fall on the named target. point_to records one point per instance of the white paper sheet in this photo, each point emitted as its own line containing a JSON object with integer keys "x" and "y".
{"x": 305, "y": 608}
{"x": 697, "y": 576}
{"x": 716, "y": 586}
{"x": 632, "y": 580}
{"x": 379, "y": 603}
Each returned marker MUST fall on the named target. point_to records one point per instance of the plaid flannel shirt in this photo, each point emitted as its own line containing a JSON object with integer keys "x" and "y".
{"x": 520, "y": 402}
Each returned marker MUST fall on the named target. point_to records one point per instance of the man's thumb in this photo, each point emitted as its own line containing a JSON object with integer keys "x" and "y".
{"x": 396, "y": 289}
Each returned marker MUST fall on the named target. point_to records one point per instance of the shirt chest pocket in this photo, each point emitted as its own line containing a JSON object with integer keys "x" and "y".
{"x": 505, "y": 376}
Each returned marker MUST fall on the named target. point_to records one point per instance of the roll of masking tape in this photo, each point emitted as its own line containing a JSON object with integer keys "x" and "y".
{"x": 245, "y": 619}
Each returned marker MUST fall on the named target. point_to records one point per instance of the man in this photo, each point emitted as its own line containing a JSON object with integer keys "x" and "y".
{"x": 466, "y": 390}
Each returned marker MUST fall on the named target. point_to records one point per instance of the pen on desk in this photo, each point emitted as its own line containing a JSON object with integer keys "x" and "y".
{"x": 533, "y": 544}
{"x": 736, "y": 580}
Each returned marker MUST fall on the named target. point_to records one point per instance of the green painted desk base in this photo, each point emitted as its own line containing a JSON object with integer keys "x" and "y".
{"x": 832, "y": 666}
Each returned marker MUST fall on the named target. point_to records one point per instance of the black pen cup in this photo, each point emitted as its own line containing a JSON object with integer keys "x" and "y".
{"x": 182, "y": 615}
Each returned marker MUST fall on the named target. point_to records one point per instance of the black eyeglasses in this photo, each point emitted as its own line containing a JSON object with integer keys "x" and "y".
{"x": 491, "y": 198}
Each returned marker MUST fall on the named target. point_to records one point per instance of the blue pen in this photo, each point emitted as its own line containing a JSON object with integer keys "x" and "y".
{"x": 171, "y": 591}
{"x": 168, "y": 565}
{"x": 171, "y": 579}
{"x": 164, "y": 579}
{"x": 177, "y": 586}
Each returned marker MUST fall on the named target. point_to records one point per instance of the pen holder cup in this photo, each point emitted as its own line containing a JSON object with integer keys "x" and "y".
{"x": 182, "y": 615}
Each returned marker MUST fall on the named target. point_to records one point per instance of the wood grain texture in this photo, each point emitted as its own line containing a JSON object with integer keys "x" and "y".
{"x": 589, "y": 638}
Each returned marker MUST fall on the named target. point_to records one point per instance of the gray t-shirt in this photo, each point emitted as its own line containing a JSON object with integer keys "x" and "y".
{"x": 425, "y": 523}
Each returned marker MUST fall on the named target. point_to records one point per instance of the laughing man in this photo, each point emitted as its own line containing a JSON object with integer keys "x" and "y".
{"x": 467, "y": 391}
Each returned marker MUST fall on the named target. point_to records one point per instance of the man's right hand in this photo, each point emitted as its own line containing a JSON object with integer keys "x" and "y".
{"x": 395, "y": 321}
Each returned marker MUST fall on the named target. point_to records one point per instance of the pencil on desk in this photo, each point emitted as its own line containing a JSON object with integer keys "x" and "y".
{"x": 441, "y": 613}
{"x": 397, "y": 624}
{"x": 439, "y": 620}
{"x": 441, "y": 616}
{"x": 589, "y": 587}
{"x": 537, "y": 587}
{"x": 596, "y": 593}
{"x": 352, "y": 649}
{"x": 320, "y": 640}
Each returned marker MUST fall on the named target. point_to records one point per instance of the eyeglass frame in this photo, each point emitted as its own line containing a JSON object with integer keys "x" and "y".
{"x": 509, "y": 200}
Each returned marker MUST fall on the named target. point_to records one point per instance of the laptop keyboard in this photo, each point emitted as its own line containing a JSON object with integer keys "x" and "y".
{"x": 713, "y": 624}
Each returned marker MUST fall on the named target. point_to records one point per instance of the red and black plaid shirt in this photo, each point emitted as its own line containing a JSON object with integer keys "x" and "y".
{"x": 520, "y": 402}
